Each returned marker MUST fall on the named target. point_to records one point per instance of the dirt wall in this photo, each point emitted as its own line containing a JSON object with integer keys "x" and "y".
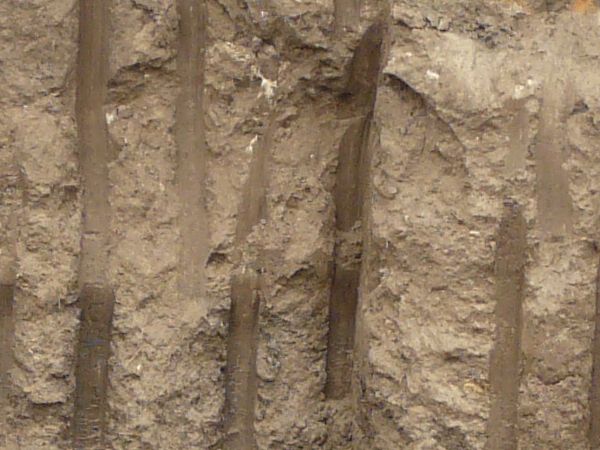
{"x": 305, "y": 225}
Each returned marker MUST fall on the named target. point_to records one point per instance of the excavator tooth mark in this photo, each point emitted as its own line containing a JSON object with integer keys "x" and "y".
{"x": 511, "y": 246}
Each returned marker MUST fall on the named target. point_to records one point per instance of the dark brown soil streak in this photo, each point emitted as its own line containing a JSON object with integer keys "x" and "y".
{"x": 511, "y": 246}
{"x": 351, "y": 182}
{"x": 594, "y": 430}
{"x": 6, "y": 350}
{"x": 348, "y": 198}
{"x": 191, "y": 148}
{"x": 96, "y": 298}
{"x": 93, "y": 352}
{"x": 342, "y": 314}
{"x": 242, "y": 341}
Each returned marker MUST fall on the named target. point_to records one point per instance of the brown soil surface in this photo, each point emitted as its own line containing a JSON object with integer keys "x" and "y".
{"x": 283, "y": 224}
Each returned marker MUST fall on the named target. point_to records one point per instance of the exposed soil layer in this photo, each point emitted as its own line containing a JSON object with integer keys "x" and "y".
{"x": 284, "y": 224}
{"x": 511, "y": 247}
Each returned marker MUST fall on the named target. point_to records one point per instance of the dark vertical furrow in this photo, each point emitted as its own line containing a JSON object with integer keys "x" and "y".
{"x": 555, "y": 209}
{"x": 6, "y": 350}
{"x": 347, "y": 14}
{"x": 253, "y": 207}
{"x": 594, "y": 429}
{"x": 342, "y": 315}
{"x": 8, "y": 282}
{"x": 191, "y": 149}
{"x": 351, "y": 179}
{"x": 96, "y": 297}
{"x": 511, "y": 245}
{"x": 347, "y": 258}
{"x": 89, "y": 423}
{"x": 242, "y": 340}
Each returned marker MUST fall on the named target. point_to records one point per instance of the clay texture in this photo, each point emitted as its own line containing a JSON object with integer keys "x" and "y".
{"x": 421, "y": 178}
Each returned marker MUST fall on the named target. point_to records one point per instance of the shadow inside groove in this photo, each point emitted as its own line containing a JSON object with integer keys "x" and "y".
{"x": 6, "y": 352}
{"x": 96, "y": 298}
{"x": 594, "y": 429}
{"x": 347, "y": 14}
{"x": 191, "y": 168}
{"x": 91, "y": 371}
{"x": 511, "y": 247}
{"x": 242, "y": 344}
{"x": 349, "y": 192}
{"x": 242, "y": 339}
{"x": 342, "y": 316}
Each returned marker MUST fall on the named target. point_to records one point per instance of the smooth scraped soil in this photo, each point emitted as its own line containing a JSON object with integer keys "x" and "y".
{"x": 285, "y": 224}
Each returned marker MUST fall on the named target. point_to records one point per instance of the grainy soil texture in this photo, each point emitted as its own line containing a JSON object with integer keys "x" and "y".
{"x": 299, "y": 224}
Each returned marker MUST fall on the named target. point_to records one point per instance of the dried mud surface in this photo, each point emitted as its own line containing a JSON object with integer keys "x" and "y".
{"x": 317, "y": 224}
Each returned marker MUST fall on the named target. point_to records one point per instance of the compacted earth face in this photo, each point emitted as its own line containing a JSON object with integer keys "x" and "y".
{"x": 283, "y": 224}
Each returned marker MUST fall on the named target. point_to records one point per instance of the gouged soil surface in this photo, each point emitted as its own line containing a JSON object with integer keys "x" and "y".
{"x": 317, "y": 224}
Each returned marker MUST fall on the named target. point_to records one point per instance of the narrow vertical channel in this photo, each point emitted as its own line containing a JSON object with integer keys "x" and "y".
{"x": 96, "y": 297}
{"x": 518, "y": 132}
{"x": 351, "y": 178}
{"x": 511, "y": 246}
{"x": 191, "y": 149}
{"x": 347, "y": 14}
{"x": 594, "y": 428}
{"x": 6, "y": 351}
{"x": 242, "y": 340}
{"x": 8, "y": 270}
{"x": 347, "y": 259}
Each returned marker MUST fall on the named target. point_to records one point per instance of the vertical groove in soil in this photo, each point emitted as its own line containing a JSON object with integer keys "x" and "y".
{"x": 191, "y": 149}
{"x": 93, "y": 352}
{"x": 6, "y": 351}
{"x": 96, "y": 297}
{"x": 347, "y": 14}
{"x": 242, "y": 339}
{"x": 242, "y": 342}
{"x": 348, "y": 197}
{"x": 594, "y": 429}
{"x": 351, "y": 179}
{"x": 511, "y": 246}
